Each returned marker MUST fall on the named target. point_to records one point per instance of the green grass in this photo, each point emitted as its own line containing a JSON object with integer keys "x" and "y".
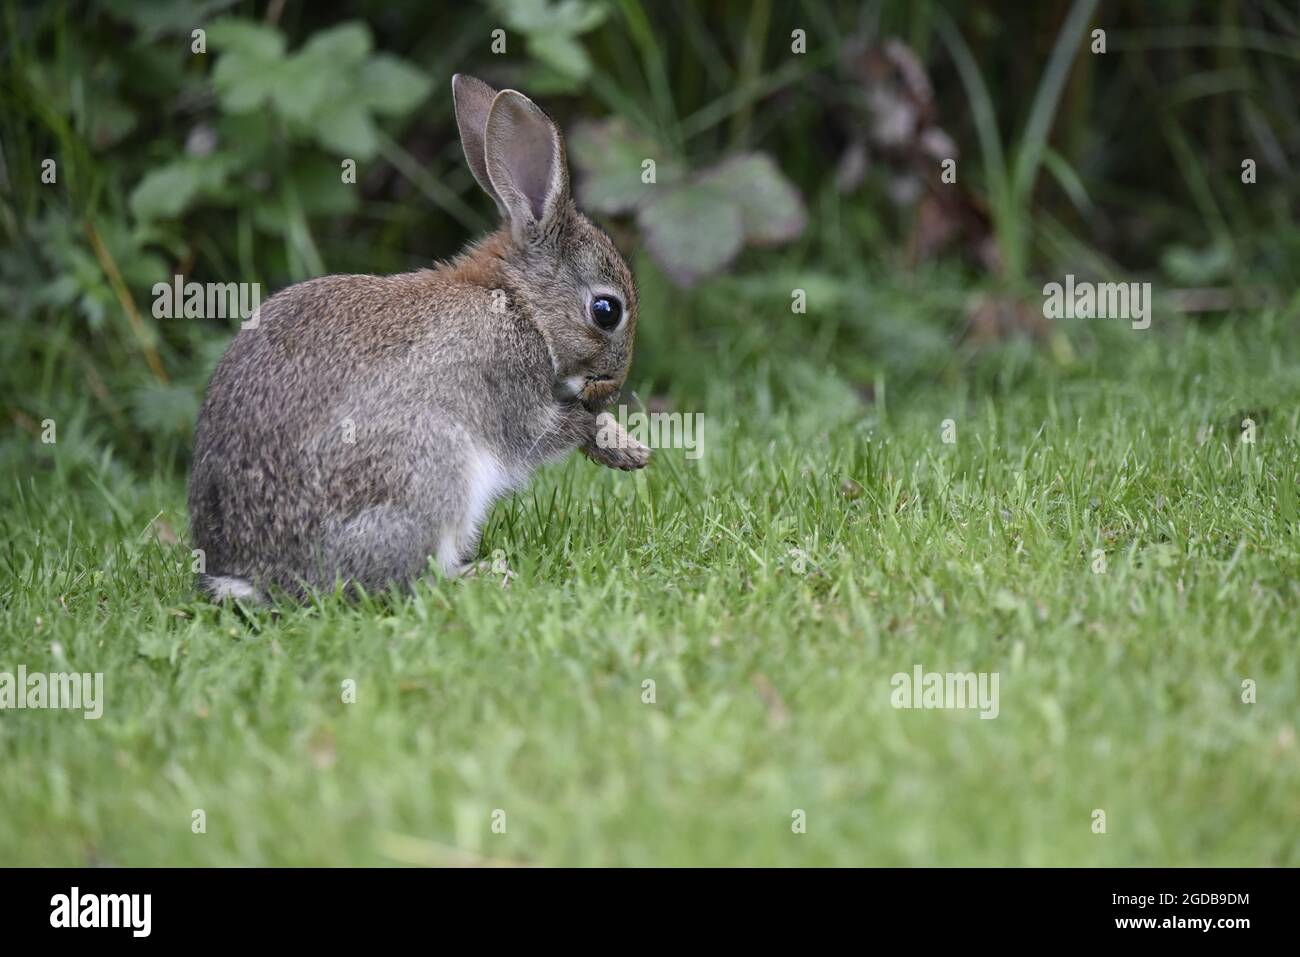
{"x": 1120, "y": 691}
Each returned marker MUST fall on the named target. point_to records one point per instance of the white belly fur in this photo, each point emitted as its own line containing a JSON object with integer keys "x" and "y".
{"x": 487, "y": 481}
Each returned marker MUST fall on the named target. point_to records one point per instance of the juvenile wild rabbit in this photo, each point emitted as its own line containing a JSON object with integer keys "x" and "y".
{"x": 366, "y": 423}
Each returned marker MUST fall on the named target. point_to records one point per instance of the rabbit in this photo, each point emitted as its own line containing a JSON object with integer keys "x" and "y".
{"x": 364, "y": 425}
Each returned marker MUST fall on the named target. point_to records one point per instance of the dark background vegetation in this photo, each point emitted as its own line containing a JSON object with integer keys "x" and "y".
{"x": 224, "y": 166}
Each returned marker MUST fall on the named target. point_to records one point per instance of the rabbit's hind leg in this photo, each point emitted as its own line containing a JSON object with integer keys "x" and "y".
{"x": 381, "y": 545}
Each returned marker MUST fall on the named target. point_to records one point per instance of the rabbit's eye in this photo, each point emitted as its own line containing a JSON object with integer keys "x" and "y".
{"x": 606, "y": 312}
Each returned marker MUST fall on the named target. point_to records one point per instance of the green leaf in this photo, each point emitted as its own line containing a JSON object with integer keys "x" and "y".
{"x": 348, "y": 131}
{"x": 771, "y": 208}
{"x": 578, "y": 16}
{"x": 561, "y": 53}
{"x": 338, "y": 47}
{"x": 609, "y": 157}
{"x": 303, "y": 90}
{"x": 250, "y": 59}
{"x": 392, "y": 87}
{"x": 241, "y": 87}
{"x": 569, "y": 17}
{"x": 169, "y": 190}
{"x": 693, "y": 231}
{"x": 247, "y": 39}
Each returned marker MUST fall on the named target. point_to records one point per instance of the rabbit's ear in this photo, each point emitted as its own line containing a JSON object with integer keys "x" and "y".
{"x": 473, "y": 99}
{"x": 525, "y": 160}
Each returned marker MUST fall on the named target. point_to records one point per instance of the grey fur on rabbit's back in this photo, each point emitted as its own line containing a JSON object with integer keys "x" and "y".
{"x": 366, "y": 424}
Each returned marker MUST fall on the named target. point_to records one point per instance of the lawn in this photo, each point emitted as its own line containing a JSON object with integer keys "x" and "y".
{"x": 770, "y": 589}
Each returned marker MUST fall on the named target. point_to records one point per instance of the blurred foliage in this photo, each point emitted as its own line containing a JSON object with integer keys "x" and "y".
{"x": 228, "y": 165}
{"x": 694, "y": 225}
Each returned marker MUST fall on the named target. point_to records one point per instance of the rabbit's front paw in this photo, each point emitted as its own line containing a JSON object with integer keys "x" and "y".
{"x": 612, "y": 447}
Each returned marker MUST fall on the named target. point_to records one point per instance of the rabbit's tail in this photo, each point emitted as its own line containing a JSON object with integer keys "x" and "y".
{"x": 222, "y": 587}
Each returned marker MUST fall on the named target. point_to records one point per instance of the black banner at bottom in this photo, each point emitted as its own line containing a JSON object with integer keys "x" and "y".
{"x": 334, "y": 907}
